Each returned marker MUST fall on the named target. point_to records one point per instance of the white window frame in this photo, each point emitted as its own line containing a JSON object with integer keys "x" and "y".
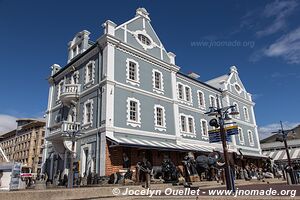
{"x": 75, "y": 78}
{"x": 201, "y": 124}
{"x": 201, "y": 106}
{"x": 241, "y": 136}
{"x": 60, "y": 87}
{"x": 161, "y": 89}
{"x": 210, "y": 101}
{"x": 137, "y": 70}
{"x": 238, "y": 116}
{"x": 129, "y": 121}
{"x": 252, "y": 137}
{"x": 186, "y": 121}
{"x": 246, "y": 114}
{"x": 85, "y": 123}
{"x": 163, "y": 126}
{"x": 87, "y": 82}
{"x": 184, "y": 99}
{"x": 189, "y": 94}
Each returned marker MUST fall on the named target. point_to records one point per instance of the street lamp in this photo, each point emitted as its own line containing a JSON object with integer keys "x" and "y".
{"x": 283, "y": 138}
{"x": 72, "y": 134}
{"x": 222, "y": 113}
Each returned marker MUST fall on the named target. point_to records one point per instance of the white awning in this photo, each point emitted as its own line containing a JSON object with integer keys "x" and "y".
{"x": 281, "y": 154}
{"x": 138, "y": 142}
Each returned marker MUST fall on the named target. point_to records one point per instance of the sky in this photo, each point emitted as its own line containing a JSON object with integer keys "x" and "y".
{"x": 261, "y": 38}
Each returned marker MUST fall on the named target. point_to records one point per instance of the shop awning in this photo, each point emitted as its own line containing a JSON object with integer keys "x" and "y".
{"x": 252, "y": 154}
{"x": 281, "y": 154}
{"x": 166, "y": 145}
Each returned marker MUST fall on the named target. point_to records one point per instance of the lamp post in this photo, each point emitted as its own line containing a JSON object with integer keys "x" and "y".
{"x": 72, "y": 134}
{"x": 222, "y": 114}
{"x": 283, "y": 138}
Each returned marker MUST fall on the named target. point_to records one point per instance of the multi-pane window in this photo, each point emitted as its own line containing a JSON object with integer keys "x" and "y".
{"x": 144, "y": 39}
{"x": 133, "y": 111}
{"x": 157, "y": 80}
{"x": 88, "y": 113}
{"x": 204, "y": 128}
{"x": 237, "y": 109}
{"x": 89, "y": 72}
{"x": 132, "y": 71}
{"x": 250, "y": 136}
{"x": 241, "y": 136}
{"x": 187, "y": 94}
{"x": 191, "y": 124}
{"x": 246, "y": 114}
{"x": 180, "y": 91}
{"x": 201, "y": 99}
{"x": 183, "y": 125}
{"x": 212, "y": 101}
{"x": 159, "y": 117}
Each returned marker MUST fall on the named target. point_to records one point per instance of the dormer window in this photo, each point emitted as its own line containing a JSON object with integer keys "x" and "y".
{"x": 144, "y": 39}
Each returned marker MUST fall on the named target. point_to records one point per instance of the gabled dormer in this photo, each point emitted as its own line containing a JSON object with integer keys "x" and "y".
{"x": 231, "y": 83}
{"x": 79, "y": 44}
{"x": 139, "y": 33}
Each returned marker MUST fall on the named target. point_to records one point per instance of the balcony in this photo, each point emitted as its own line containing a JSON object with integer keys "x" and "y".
{"x": 70, "y": 93}
{"x": 70, "y": 126}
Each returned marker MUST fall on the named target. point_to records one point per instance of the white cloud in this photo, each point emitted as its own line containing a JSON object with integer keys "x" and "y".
{"x": 279, "y": 11}
{"x": 288, "y": 47}
{"x": 265, "y": 131}
{"x": 7, "y": 123}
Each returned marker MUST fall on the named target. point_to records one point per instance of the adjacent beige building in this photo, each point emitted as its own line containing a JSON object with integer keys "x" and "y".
{"x": 25, "y": 144}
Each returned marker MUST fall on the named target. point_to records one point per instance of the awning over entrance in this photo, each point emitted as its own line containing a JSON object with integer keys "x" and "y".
{"x": 252, "y": 154}
{"x": 281, "y": 154}
{"x": 166, "y": 145}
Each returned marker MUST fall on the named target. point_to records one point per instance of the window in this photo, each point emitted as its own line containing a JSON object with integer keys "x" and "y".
{"x": 250, "y": 136}
{"x": 201, "y": 99}
{"x": 144, "y": 39}
{"x": 133, "y": 112}
{"x": 180, "y": 91}
{"x": 187, "y": 94}
{"x": 160, "y": 119}
{"x": 89, "y": 73}
{"x": 237, "y": 109}
{"x": 191, "y": 124}
{"x": 204, "y": 128}
{"x": 246, "y": 114}
{"x": 88, "y": 113}
{"x": 157, "y": 81}
{"x": 183, "y": 124}
{"x": 132, "y": 72}
{"x": 241, "y": 136}
{"x": 212, "y": 100}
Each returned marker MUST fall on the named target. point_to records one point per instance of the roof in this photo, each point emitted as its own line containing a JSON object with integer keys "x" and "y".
{"x": 293, "y": 134}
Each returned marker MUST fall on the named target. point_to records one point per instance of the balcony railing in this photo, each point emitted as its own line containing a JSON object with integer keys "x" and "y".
{"x": 70, "y": 126}
{"x": 70, "y": 93}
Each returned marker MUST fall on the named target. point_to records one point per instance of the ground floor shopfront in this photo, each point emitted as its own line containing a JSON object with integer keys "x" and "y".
{"x": 103, "y": 155}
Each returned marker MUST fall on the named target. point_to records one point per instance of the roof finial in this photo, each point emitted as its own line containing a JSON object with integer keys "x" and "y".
{"x": 233, "y": 69}
{"x": 142, "y": 12}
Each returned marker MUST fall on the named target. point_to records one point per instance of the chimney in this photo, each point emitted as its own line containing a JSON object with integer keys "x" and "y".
{"x": 193, "y": 75}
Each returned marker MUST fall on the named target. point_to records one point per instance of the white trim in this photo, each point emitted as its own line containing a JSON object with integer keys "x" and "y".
{"x": 161, "y": 89}
{"x": 246, "y": 113}
{"x": 241, "y": 136}
{"x": 252, "y": 136}
{"x": 137, "y": 70}
{"x": 87, "y": 82}
{"x": 240, "y": 90}
{"x": 85, "y": 123}
{"x": 130, "y": 122}
{"x": 201, "y": 106}
{"x": 156, "y": 126}
{"x": 187, "y": 132}
{"x": 201, "y": 125}
{"x": 60, "y": 87}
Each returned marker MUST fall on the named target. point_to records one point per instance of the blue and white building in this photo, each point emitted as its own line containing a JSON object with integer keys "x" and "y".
{"x": 125, "y": 94}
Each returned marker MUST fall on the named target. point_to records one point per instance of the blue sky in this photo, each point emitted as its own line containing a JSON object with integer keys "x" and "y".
{"x": 34, "y": 35}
